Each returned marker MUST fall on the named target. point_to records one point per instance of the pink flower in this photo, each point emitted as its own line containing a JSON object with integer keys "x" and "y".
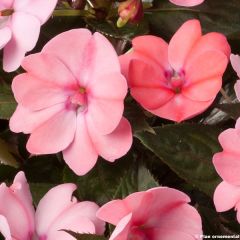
{"x": 58, "y": 210}
{"x": 227, "y": 164}
{"x": 20, "y": 23}
{"x": 235, "y": 61}
{"x": 180, "y": 80}
{"x": 130, "y": 10}
{"x": 72, "y": 101}
{"x": 16, "y": 210}
{"x": 187, "y": 3}
{"x": 159, "y": 213}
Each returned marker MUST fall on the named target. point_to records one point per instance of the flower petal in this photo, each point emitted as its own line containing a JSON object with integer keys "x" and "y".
{"x": 206, "y": 66}
{"x": 54, "y": 135}
{"x": 187, "y": 3}
{"x": 5, "y": 36}
{"x": 11, "y": 208}
{"x": 147, "y": 85}
{"x": 210, "y": 42}
{"x": 107, "y": 214}
{"x": 25, "y": 33}
{"x": 235, "y": 61}
{"x": 181, "y": 108}
{"x": 237, "y": 89}
{"x": 24, "y": 120}
{"x": 231, "y": 197}
{"x": 228, "y": 165}
{"x": 189, "y": 33}
{"x": 121, "y": 230}
{"x": 114, "y": 145}
{"x": 4, "y": 228}
{"x": 81, "y": 156}
{"x": 36, "y": 94}
{"x": 104, "y": 114}
{"x": 49, "y": 68}
{"x": 54, "y": 202}
{"x": 38, "y": 8}
{"x": 205, "y": 90}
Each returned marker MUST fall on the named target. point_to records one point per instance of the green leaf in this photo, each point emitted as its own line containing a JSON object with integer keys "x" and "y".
{"x": 7, "y": 154}
{"x": 137, "y": 118}
{"x": 215, "y": 16}
{"x": 85, "y": 236}
{"x": 7, "y": 102}
{"x": 109, "y": 181}
{"x": 233, "y": 110}
{"x": 188, "y": 150}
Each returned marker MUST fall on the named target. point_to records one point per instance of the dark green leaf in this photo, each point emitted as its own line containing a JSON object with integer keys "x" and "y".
{"x": 188, "y": 150}
{"x": 6, "y": 154}
{"x": 137, "y": 118}
{"x": 85, "y": 236}
{"x": 7, "y": 102}
{"x": 108, "y": 181}
{"x": 221, "y": 16}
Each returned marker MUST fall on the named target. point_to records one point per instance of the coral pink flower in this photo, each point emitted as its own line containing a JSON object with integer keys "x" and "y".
{"x": 20, "y": 23}
{"x": 180, "y": 80}
{"x": 16, "y": 210}
{"x": 159, "y": 213}
{"x": 187, "y": 3}
{"x": 227, "y": 164}
{"x": 58, "y": 210}
{"x": 72, "y": 101}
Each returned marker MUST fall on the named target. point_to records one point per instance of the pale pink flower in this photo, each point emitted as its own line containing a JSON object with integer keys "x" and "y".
{"x": 73, "y": 101}
{"x": 187, "y": 3}
{"x": 58, "y": 211}
{"x": 180, "y": 80}
{"x": 227, "y": 164}
{"x": 159, "y": 213}
{"x": 16, "y": 210}
{"x": 20, "y": 22}
{"x": 235, "y": 61}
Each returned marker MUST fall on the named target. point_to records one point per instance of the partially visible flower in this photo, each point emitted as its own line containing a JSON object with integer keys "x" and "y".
{"x": 16, "y": 210}
{"x": 177, "y": 81}
{"x": 187, "y": 3}
{"x": 73, "y": 101}
{"x": 20, "y": 22}
{"x": 227, "y": 164}
{"x": 159, "y": 213}
{"x": 58, "y": 211}
{"x": 235, "y": 61}
{"x": 129, "y": 11}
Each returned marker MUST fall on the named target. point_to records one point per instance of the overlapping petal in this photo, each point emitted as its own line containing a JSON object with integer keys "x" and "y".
{"x": 187, "y": 3}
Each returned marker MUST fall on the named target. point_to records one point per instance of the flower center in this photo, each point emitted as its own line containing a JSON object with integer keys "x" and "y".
{"x": 4, "y": 16}
{"x": 6, "y": 12}
{"x": 78, "y": 100}
{"x": 136, "y": 233}
{"x": 176, "y": 81}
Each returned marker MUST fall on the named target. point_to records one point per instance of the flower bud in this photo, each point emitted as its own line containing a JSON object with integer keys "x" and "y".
{"x": 130, "y": 10}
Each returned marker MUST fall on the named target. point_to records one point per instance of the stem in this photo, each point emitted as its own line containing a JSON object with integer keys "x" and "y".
{"x": 69, "y": 13}
{"x": 226, "y": 97}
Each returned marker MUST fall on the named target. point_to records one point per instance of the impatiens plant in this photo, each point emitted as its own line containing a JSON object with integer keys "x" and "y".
{"x": 124, "y": 117}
